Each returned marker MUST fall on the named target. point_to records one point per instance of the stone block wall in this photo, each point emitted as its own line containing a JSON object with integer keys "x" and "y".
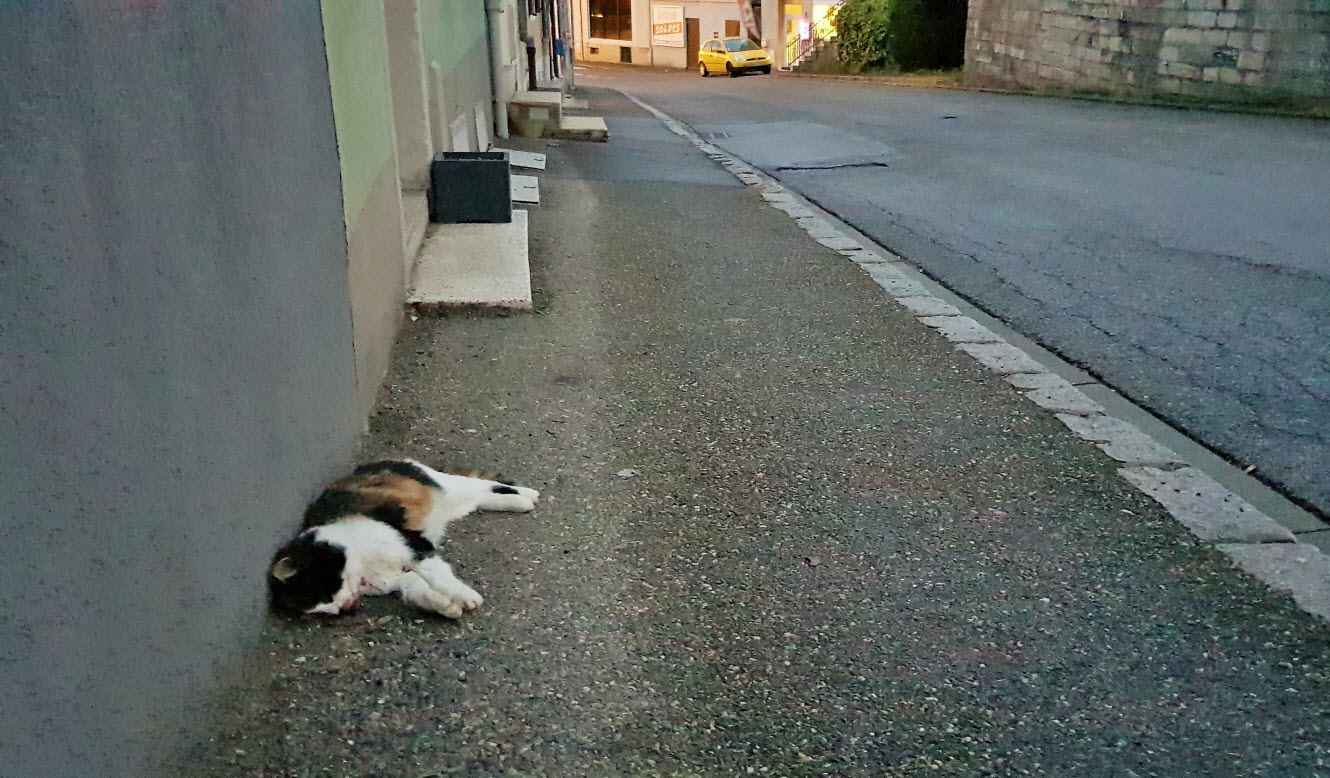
{"x": 1250, "y": 51}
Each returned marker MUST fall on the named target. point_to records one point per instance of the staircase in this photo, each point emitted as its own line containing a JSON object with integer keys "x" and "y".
{"x": 804, "y": 55}
{"x": 816, "y": 56}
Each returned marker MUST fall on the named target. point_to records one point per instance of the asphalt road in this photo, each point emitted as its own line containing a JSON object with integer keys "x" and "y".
{"x": 1182, "y": 257}
{"x": 847, "y": 548}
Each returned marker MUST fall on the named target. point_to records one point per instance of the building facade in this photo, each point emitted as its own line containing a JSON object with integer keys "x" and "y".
{"x": 208, "y": 215}
{"x": 668, "y": 33}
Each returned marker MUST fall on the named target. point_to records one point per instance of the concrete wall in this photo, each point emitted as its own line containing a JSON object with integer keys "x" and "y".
{"x": 1270, "y": 51}
{"x": 357, "y": 50}
{"x": 456, "y": 48}
{"x": 176, "y": 370}
{"x": 410, "y": 93}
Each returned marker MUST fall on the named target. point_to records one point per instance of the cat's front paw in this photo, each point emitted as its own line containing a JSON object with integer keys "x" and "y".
{"x": 470, "y": 598}
{"x": 529, "y": 493}
{"x": 463, "y": 597}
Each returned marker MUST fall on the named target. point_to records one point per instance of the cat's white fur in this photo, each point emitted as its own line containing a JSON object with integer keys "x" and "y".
{"x": 378, "y": 560}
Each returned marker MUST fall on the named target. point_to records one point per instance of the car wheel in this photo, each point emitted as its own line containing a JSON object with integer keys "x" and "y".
{"x": 766, "y": 71}
{"x": 733, "y": 73}
{"x": 702, "y": 68}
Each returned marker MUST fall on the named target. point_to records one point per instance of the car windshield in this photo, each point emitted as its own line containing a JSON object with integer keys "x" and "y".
{"x": 743, "y": 45}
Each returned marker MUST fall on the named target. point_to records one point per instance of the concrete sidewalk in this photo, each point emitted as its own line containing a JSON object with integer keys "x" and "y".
{"x": 847, "y": 549}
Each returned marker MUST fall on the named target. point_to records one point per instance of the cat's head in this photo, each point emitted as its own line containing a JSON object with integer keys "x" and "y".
{"x": 307, "y": 576}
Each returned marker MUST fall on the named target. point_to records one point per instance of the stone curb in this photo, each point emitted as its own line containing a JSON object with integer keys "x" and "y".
{"x": 1256, "y": 543}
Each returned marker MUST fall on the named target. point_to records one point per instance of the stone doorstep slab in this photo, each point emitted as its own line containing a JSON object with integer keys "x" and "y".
{"x": 524, "y": 189}
{"x": 473, "y": 266}
{"x": 547, "y": 99}
{"x": 524, "y": 159}
{"x": 584, "y": 128}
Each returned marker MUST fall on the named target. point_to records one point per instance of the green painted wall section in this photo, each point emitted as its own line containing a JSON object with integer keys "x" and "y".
{"x": 451, "y": 30}
{"x": 353, "y": 34}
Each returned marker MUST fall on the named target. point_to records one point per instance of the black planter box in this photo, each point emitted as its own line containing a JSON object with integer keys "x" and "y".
{"x": 470, "y": 186}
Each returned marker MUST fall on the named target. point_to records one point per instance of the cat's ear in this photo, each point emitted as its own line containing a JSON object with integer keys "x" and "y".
{"x": 284, "y": 569}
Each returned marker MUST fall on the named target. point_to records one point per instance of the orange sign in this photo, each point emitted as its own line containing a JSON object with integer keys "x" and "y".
{"x": 666, "y": 26}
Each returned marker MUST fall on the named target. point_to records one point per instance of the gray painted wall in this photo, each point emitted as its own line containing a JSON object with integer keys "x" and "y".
{"x": 176, "y": 370}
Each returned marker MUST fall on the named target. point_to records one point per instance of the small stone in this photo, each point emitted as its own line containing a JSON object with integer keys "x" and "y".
{"x": 627, "y": 472}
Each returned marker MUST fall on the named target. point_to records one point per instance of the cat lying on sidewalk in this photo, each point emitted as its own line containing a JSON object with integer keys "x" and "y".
{"x": 377, "y": 531}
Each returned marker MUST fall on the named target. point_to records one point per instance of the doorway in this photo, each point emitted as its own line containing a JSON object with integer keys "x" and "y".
{"x": 692, "y": 35}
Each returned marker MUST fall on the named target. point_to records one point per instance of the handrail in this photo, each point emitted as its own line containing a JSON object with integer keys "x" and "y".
{"x": 797, "y": 49}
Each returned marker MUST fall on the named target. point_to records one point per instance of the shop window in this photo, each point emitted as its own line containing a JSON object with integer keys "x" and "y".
{"x": 611, "y": 19}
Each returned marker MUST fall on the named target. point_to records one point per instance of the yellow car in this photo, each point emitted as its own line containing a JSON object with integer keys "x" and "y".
{"x": 733, "y": 56}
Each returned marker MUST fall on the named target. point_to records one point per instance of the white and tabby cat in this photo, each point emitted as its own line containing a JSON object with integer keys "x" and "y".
{"x": 378, "y": 531}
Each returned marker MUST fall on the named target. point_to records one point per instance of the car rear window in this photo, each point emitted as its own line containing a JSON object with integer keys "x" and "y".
{"x": 744, "y": 45}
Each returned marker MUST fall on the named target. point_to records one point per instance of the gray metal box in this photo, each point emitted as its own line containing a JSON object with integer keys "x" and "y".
{"x": 470, "y": 186}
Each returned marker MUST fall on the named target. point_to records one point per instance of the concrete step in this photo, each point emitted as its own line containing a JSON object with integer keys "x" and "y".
{"x": 535, "y": 114}
{"x": 524, "y": 159}
{"x": 524, "y": 189}
{"x": 584, "y": 128}
{"x": 547, "y": 99}
{"x": 473, "y": 266}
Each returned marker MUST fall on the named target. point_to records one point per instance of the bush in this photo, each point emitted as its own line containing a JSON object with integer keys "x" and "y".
{"x": 861, "y": 33}
{"x": 901, "y": 34}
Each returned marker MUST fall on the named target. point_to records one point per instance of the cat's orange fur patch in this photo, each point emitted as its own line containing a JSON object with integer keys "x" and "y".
{"x": 376, "y": 489}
